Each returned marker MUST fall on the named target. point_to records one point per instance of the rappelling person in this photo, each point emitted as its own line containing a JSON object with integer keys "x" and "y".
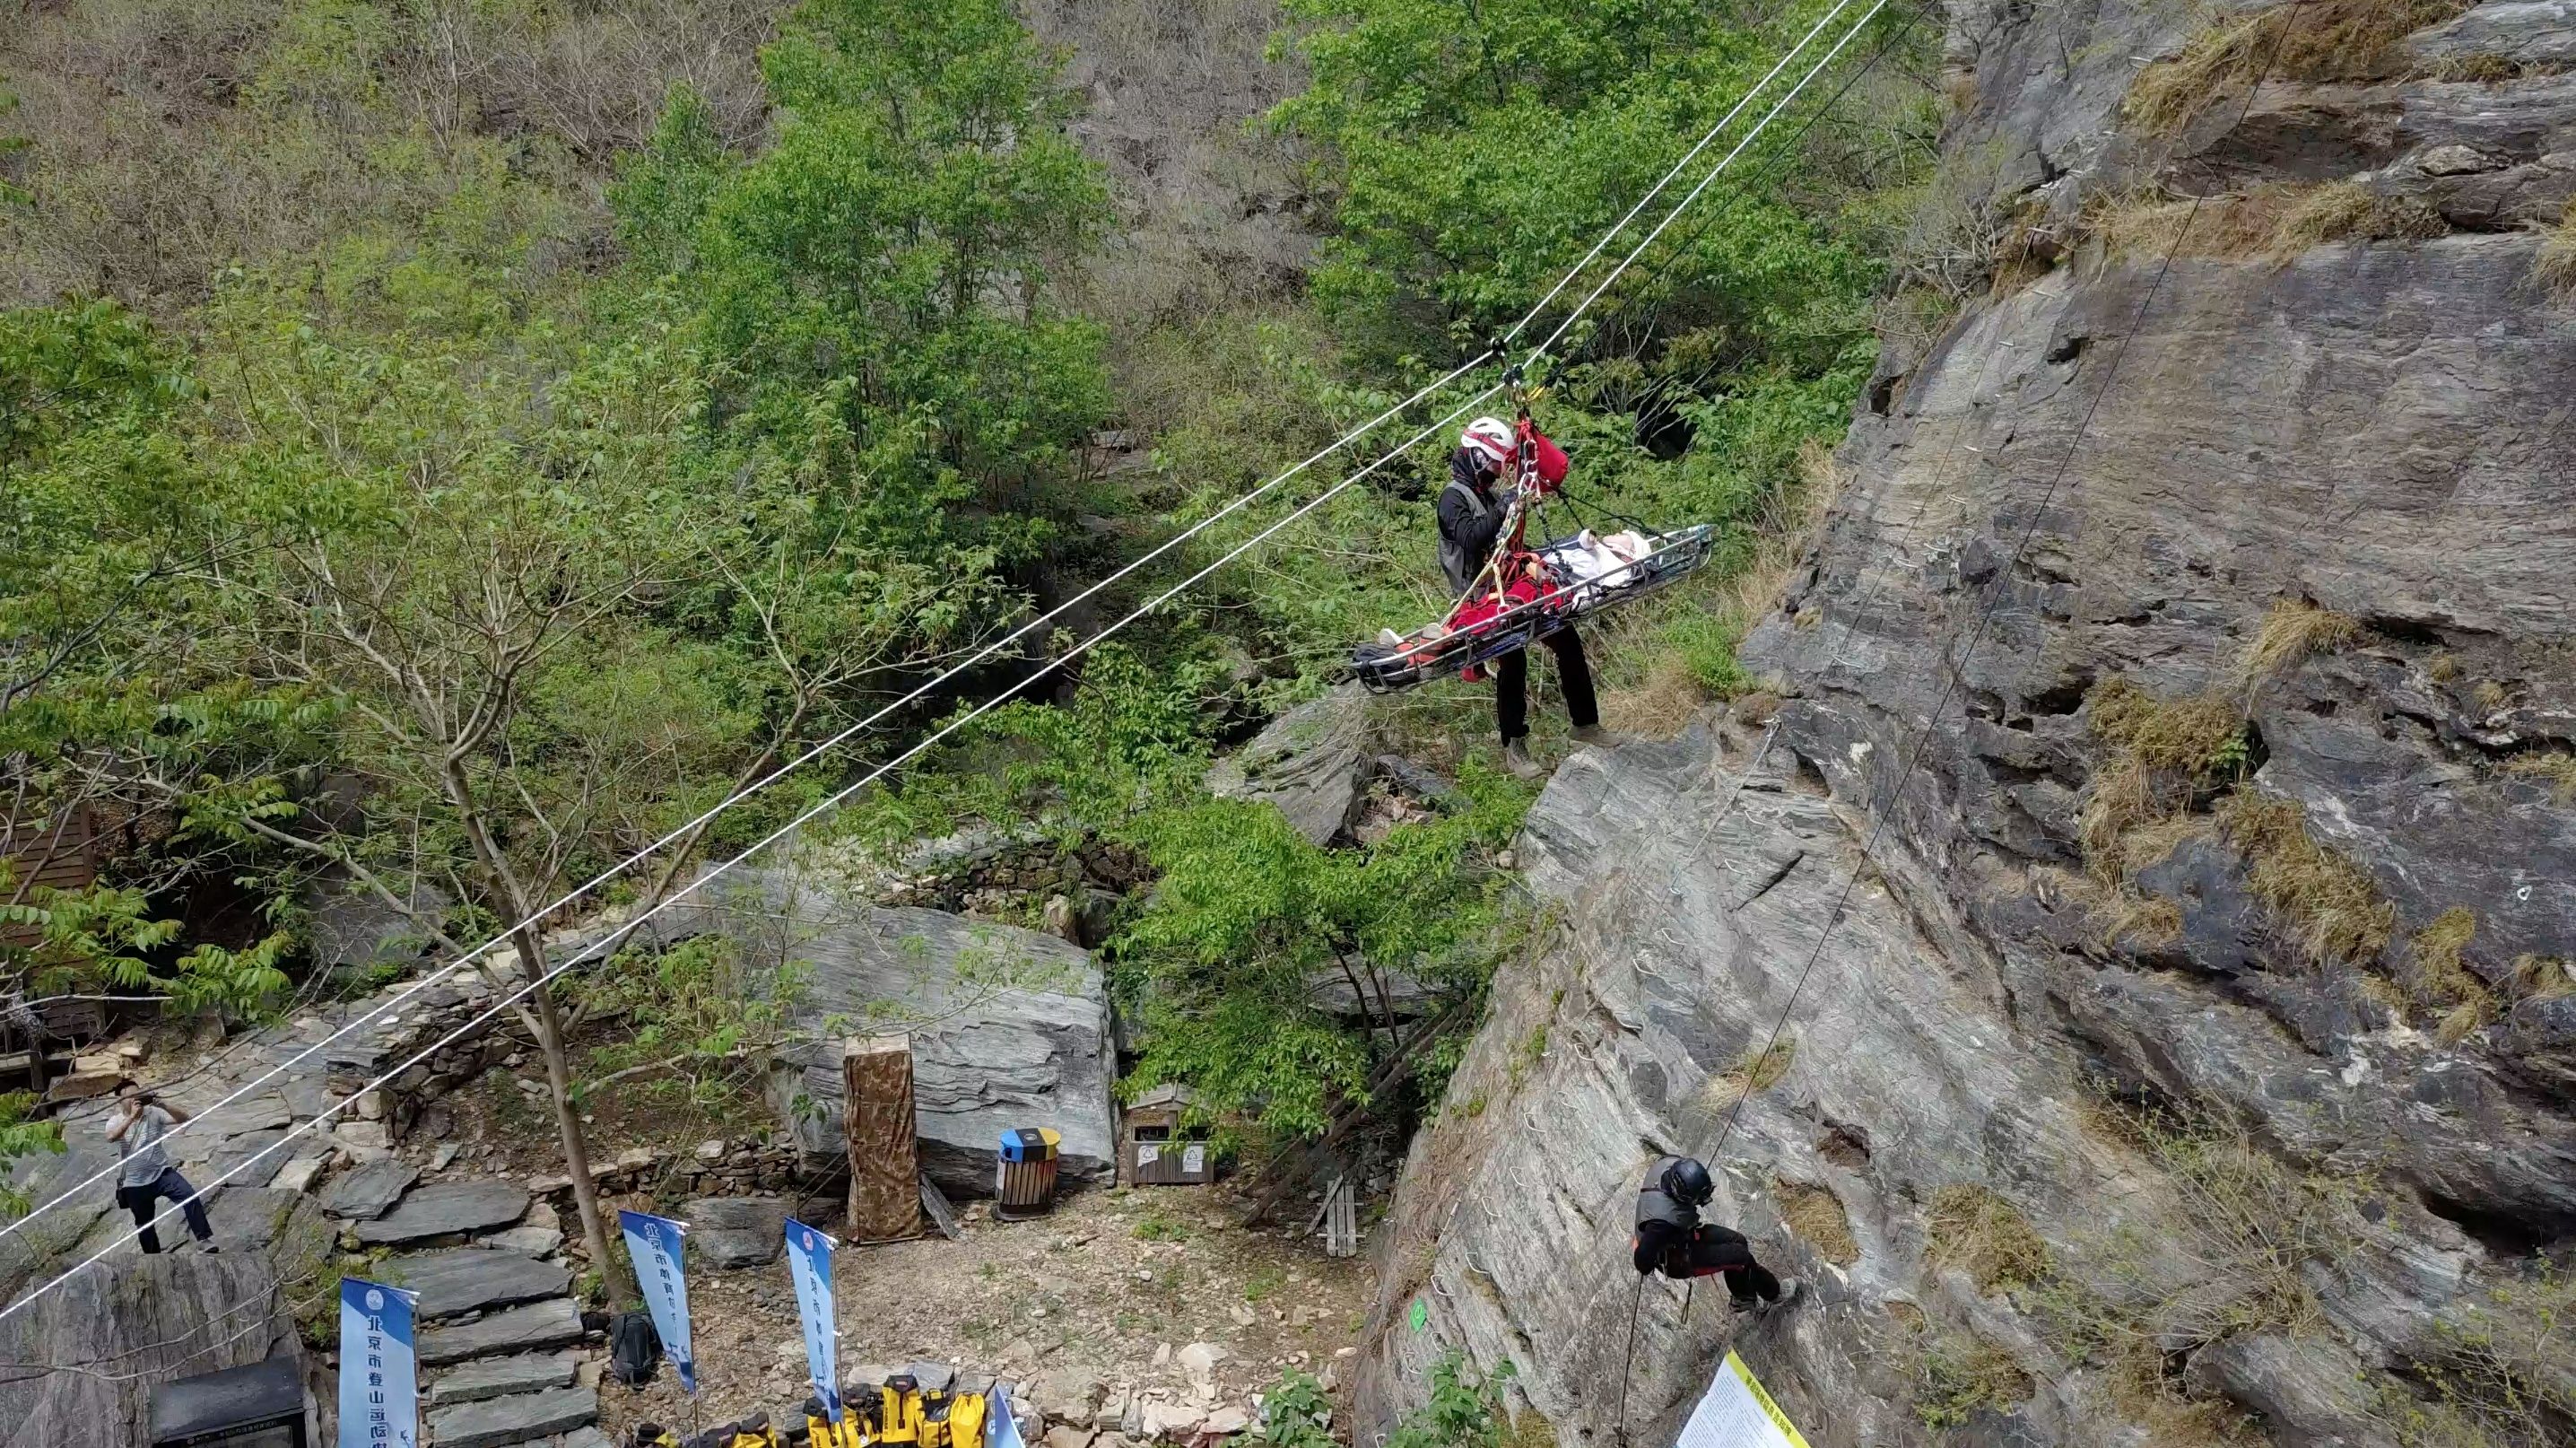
{"x": 1671, "y": 1238}
{"x": 1471, "y": 524}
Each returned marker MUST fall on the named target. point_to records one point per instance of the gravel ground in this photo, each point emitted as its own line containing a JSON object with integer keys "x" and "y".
{"x": 1111, "y": 1281}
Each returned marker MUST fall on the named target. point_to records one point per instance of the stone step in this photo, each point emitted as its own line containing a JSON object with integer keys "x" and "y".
{"x": 447, "y": 1209}
{"x": 471, "y": 1279}
{"x": 583, "y": 1438}
{"x": 518, "y": 1418}
{"x": 370, "y": 1191}
{"x": 553, "y": 1323}
{"x": 500, "y": 1376}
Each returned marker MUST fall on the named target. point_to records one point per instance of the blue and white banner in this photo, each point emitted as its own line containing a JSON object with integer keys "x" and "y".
{"x": 809, "y": 1262}
{"x": 1001, "y": 1425}
{"x": 653, "y": 1245}
{"x": 379, "y": 1385}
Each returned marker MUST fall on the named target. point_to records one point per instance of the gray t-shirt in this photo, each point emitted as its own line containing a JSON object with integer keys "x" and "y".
{"x": 144, "y": 1158}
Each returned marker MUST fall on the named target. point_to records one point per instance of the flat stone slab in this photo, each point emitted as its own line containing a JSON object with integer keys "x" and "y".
{"x": 586, "y": 1438}
{"x": 553, "y": 1323}
{"x": 370, "y": 1191}
{"x": 736, "y": 1231}
{"x": 445, "y": 1210}
{"x": 470, "y": 1279}
{"x": 252, "y": 1159}
{"x": 497, "y": 1422}
{"x": 529, "y": 1372}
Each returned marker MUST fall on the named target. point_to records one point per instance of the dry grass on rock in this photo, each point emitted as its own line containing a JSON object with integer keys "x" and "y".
{"x": 2437, "y": 979}
{"x": 1817, "y": 1216}
{"x": 1981, "y": 1234}
{"x": 2159, "y": 748}
{"x": 2329, "y": 903}
{"x": 1961, "y": 1375}
{"x": 2294, "y": 629}
{"x": 2310, "y": 40}
{"x": 2276, "y": 221}
{"x": 1759, "y": 1071}
{"x": 2554, "y": 768}
{"x": 2555, "y": 267}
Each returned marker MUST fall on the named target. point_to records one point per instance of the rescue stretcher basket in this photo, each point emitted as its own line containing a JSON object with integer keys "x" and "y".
{"x": 1436, "y": 649}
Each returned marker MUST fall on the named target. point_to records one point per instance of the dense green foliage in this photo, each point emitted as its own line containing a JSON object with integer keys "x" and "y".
{"x": 1480, "y": 150}
{"x": 1249, "y": 919}
{"x": 415, "y": 564}
{"x": 434, "y": 480}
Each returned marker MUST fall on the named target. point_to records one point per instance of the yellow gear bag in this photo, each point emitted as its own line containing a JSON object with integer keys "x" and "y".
{"x": 899, "y": 1419}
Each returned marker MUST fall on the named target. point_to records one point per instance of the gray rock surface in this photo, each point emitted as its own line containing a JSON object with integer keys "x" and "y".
{"x": 536, "y": 1327}
{"x": 1313, "y": 762}
{"x": 368, "y": 1192}
{"x": 470, "y": 1279}
{"x": 352, "y": 928}
{"x": 496, "y": 1422}
{"x": 732, "y": 1232}
{"x": 495, "y": 1377}
{"x": 2097, "y": 474}
{"x": 1009, "y": 1027}
{"x": 446, "y": 1209}
{"x": 83, "y": 1358}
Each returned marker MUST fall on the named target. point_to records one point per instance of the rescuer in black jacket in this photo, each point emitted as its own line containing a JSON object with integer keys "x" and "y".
{"x": 1671, "y": 1238}
{"x": 1472, "y": 511}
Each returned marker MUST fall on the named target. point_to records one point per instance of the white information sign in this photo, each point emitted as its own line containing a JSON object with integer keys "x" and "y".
{"x": 1736, "y": 1413}
{"x": 1194, "y": 1157}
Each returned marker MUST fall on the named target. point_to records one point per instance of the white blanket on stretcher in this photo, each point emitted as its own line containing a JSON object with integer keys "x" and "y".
{"x": 1594, "y": 564}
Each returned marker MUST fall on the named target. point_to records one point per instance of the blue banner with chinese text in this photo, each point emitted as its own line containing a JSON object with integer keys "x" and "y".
{"x": 379, "y": 1385}
{"x": 809, "y": 1262}
{"x": 653, "y": 1245}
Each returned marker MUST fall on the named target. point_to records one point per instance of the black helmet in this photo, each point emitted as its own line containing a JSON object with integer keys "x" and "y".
{"x": 1687, "y": 1182}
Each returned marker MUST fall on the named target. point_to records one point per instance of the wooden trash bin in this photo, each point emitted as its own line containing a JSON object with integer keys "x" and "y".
{"x": 1156, "y": 1153}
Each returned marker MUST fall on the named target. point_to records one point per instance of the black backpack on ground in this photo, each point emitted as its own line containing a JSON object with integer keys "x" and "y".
{"x": 634, "y": 1349}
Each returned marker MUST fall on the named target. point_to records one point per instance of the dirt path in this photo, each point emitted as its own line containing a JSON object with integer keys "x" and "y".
{"x": 1109, "y": 1283}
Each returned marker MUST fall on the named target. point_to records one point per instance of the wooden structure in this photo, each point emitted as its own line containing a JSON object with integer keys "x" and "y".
{"x": 58, "y": 852}
{"x": 877, "y": 1124}
{"x": 1341, "y": 1219}
{"x": 1152, "y": 1147}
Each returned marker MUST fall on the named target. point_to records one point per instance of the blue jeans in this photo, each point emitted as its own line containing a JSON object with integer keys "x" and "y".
{"x": 140, "y": 1201}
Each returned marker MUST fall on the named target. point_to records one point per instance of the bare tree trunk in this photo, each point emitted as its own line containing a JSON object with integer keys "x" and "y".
{"x": 531, "y": 946}
{"x": 576, "y": 1150}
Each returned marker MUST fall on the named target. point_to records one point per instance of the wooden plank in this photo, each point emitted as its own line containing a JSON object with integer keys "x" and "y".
{"x": 878, "y": 1127}
{"x": 1341, "y": 1219}
{"x": 934, "y": 1202}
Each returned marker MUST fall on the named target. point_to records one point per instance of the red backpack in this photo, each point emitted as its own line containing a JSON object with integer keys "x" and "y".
{"x": 1549, "y": 459}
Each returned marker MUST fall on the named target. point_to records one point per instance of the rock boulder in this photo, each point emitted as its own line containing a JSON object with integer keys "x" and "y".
{"x": 1009, "y": 1027}
{"x": 151, "y": 1318}
{"x": 1313, "y": 762}
{"x": 731, "y": 1232}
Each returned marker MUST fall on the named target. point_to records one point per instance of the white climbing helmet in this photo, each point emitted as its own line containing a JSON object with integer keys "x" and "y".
{"x": 1491, "y": 436}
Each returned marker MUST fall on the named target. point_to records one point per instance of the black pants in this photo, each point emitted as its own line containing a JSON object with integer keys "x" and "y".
{"x": 140, "y": 1201}
{"x": 1715, "y": 1249}
{"x": 1511, "y": 685}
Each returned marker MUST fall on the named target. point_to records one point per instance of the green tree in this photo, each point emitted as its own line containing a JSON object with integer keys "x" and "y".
{"x": 880, "y": 276}
{"x": 1249, "y": 923}
{"x": 1479, "y": 151}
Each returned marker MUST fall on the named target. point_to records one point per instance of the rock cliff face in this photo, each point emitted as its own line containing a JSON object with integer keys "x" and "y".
{"x": 2194, "y": 1057}
{"x": 81, "y": 1364}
